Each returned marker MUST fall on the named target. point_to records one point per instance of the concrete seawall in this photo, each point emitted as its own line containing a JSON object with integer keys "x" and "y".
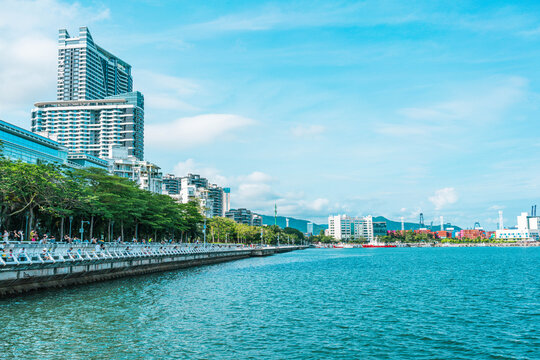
{"x": 25, "y": 267}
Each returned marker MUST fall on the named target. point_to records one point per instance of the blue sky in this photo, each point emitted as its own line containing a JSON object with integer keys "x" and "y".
{"x": 361, "y": 107}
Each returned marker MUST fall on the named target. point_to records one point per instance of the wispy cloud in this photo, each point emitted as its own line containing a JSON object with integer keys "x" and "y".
{"x": 486, "y": 101}
{"x": 28, "y": 31}
{"x": 443, "y": 197}
{"x": 166, "y": 92}
{"x": 307, "y": 130}
{"x": 192, "y": 131}
{"x": 475, "y": 102}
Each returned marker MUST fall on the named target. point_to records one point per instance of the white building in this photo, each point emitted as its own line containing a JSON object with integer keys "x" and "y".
{"x": 528, "y": 228}
{"x": 96, "y": 106}
{"x": 92, "y": 126}
{"x": 145, "y": 174}
{"x": 87, "y": 71}
{"x": 213, "y": 198}
{"x": 310, "y": 228}
{"x": 346, "y": 228}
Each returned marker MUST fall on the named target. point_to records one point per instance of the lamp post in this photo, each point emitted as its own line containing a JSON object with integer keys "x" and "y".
{"x": 26, "y": 231}
{"x": 70, "y": 221}
{"x": 205, "y": 215}
{"x": 261, "y": 236}
{"x": 112, "y": 231}
{"x": 81, "y": 230}
{"x": 204, "y": 231}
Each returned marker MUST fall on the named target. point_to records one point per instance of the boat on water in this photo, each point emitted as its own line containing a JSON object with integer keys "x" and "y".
{"x": 378, "y": 246}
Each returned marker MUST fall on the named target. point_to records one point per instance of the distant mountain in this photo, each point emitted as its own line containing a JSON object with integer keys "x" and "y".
{"x": 390, "y": 224}
{"x": 297, "y": 224}
{"x": 396, "y": 225}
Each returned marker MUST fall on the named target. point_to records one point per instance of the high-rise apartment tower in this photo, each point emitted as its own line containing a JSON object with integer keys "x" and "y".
{"x": 96, "y": 107}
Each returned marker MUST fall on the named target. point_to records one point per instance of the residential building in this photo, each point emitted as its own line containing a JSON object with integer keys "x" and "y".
{"x": 215, "y": 200}
{"x": 244, "y": 216}
{"x": 528, "y": 228}
{"x": 96, "y": 106}
{"x": 144, "y": 173}
{"x": 171, "y": 184}
{"x": 346, "y": 228}
{"x": 92, "y": 126}
{"x": 212, "y": 197}
{"x": 339, "y": 227}
{"x": 87, "y": 71}
{"x": 257, "y": 220}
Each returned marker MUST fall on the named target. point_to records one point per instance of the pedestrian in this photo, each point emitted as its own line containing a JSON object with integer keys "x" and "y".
{"x": 5, "y": 237}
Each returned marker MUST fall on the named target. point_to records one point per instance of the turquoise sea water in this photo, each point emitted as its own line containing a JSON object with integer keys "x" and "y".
{"x": 434, "y": 303}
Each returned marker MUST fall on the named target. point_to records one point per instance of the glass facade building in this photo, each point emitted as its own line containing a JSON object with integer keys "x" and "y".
{"x": 20, "y": 144}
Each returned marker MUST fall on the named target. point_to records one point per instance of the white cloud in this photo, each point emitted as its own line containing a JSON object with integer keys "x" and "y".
{"x": 165, "y": 91}
{"x": 256, "y": 177}
{"x": 190, "y": 166}
{"x": 192, "y": 131}
{"x": 482, "y": 102}
{"x": 444, "y": 197}
{"x": 306, "y": 131}
{"x": 320, "y": 204}
{"x": 28, "y": 48}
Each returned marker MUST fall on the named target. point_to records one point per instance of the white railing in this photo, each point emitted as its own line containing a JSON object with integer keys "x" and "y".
{"x": 24, "y": 253}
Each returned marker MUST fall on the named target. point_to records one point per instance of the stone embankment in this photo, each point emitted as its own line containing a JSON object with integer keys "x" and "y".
{"x": 28, "y": 267}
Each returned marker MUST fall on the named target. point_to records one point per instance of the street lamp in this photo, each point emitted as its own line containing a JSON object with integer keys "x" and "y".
{"x": 261, "y": 236}
{"x": 204, "y": 231}
{"x": 81, "y": 230}
{"x": 112, "y": 231}
{"x": 70, "y": 221}
{"x": 27, "y": 232}
{"x": 205, "y": 215}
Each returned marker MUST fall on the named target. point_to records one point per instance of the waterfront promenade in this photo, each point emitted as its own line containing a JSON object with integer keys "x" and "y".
{"x": 31, "y": 266}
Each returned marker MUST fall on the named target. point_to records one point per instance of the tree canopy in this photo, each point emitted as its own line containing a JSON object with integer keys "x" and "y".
{"x": 43, "y": 197}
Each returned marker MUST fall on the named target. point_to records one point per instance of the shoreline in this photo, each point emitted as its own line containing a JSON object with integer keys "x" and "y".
{"x": 443, "y": 245}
